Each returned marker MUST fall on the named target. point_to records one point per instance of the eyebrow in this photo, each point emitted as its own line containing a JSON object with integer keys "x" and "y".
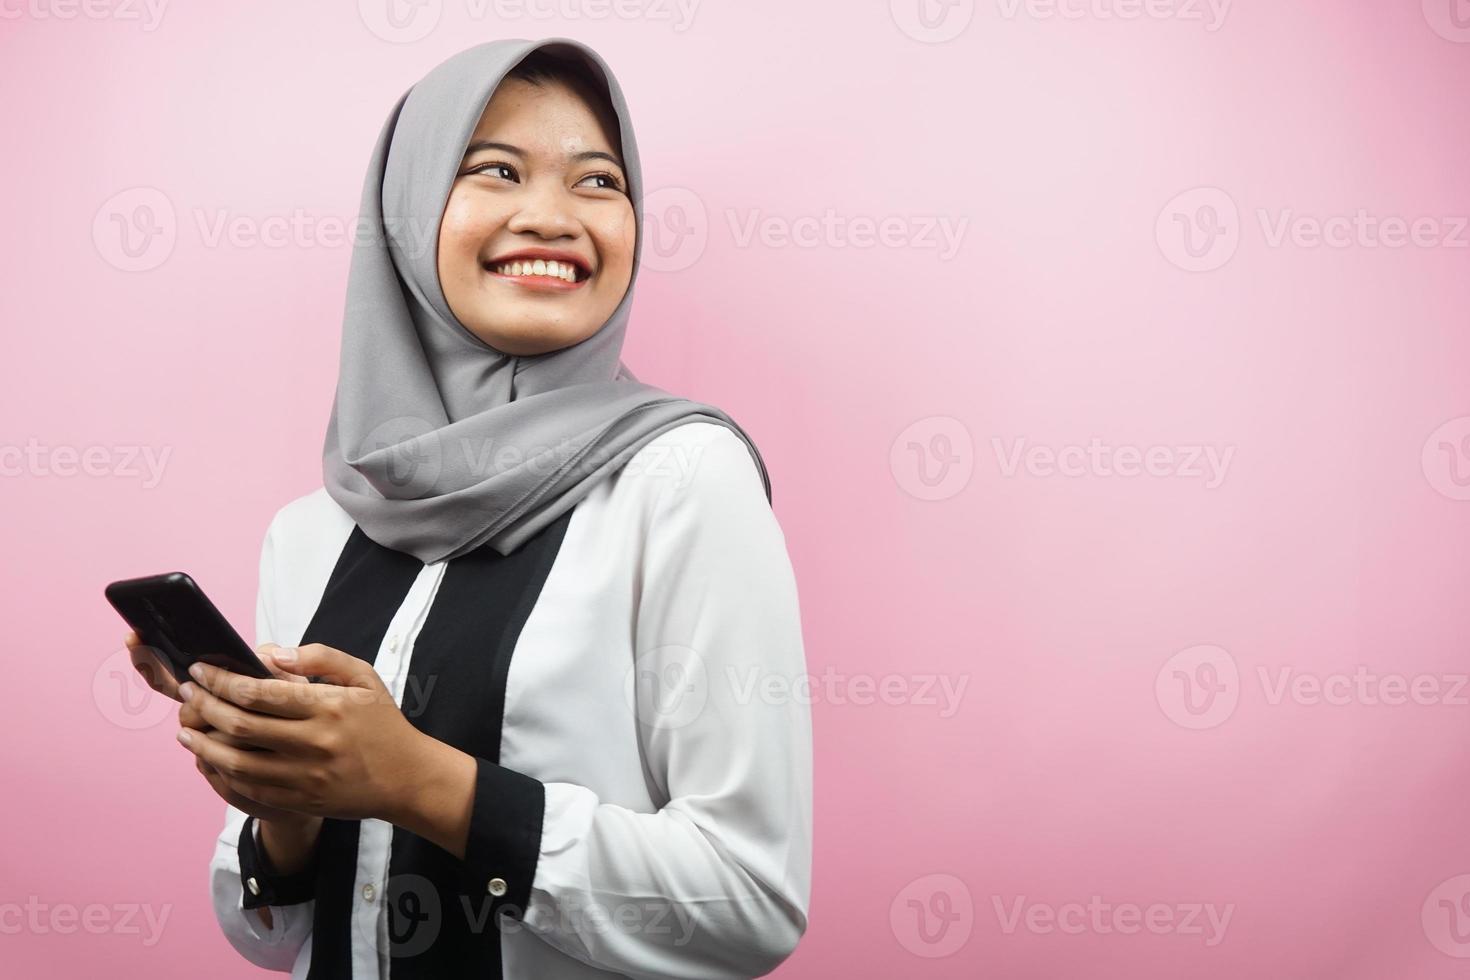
{"x": 479, "y": 145}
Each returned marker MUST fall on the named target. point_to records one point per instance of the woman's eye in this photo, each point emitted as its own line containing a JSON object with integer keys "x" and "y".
{"x": 613, "y": 184}
{"x": 486, "y": 168}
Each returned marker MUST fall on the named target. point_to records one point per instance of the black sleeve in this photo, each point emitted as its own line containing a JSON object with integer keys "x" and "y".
{"x": 259, "y": 880}
{"x": 504, "y": 840}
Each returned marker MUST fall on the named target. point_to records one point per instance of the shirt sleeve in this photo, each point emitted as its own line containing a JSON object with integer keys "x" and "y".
{"x": 238, "y": 856}
{"x": 716, "y": 882}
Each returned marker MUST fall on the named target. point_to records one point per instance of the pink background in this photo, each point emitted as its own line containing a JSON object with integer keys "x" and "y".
{"x": 1082, "y": 161}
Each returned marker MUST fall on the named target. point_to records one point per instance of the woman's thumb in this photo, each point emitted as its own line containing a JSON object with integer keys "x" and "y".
{"x": 316, "y": 660}
{"x": 278, "y": 660}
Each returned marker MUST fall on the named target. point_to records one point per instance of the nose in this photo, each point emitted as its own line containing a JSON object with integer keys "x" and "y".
{"x": 545, "y": 211}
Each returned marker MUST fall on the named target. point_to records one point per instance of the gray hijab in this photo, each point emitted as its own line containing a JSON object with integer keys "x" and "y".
{"x": 438, "y": 443}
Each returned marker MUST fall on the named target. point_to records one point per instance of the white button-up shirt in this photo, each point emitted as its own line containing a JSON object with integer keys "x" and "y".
{"x": 650, "y": 715}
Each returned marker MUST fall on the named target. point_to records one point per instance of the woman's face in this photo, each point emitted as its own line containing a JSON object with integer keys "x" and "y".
{"x": 541, "y": 181}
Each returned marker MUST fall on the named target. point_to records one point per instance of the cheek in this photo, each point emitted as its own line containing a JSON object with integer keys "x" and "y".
{"x": 616, "y": 239}
{"x": 463, "y": 229}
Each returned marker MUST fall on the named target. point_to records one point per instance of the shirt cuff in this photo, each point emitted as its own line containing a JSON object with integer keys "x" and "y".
{"x": 504, "y": 840}
{"x": 259, "y": 881}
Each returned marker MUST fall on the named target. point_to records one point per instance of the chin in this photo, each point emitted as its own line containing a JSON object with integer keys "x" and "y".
{"x": 529, "y": 342}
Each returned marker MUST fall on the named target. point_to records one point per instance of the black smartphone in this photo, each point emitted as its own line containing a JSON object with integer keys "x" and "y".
{"x": 171, "y": 614}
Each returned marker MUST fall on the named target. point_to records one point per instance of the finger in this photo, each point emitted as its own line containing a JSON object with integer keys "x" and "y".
{"x": 240, "y": 725}
{"x": 331, "y": 665}
{"x": 149, "y": 663}
{"x": 277, "y": 797}
{"x": 236, "y": 764}
{"x": 283, "y": 699}
{"x": 266, "y": 652}
{"x": 189, "y": 717}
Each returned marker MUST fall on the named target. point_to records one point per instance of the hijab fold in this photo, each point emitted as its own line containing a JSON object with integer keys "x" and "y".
{"x": 437, "y": 443}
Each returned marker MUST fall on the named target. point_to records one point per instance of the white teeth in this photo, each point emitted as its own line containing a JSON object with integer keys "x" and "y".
{"x": 539, "y": 267}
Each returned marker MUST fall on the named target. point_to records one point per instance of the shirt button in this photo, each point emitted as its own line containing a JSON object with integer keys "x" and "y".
{"x": 368, "y": 892}
{"x": 393, "y": 642}
{"x": 496, "y": 886}
{"x": 253, "y": 885}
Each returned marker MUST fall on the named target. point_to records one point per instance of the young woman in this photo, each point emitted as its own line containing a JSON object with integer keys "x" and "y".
{"x": 543, "y": 602}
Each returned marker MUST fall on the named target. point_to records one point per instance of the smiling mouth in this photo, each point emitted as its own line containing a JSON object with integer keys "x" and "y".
{"x": 546, "y": 275}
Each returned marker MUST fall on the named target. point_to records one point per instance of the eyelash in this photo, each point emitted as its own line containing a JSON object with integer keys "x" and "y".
{"x": 479, "y": 168}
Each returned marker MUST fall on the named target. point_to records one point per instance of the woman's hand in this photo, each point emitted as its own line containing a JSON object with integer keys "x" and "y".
{"x": 340, "y": 748}
{"x": 189, "y": 717}
{"x": 147, "y": 662}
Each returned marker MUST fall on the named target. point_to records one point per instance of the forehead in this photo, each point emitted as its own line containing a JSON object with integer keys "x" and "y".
{"x": 551, "y": 117}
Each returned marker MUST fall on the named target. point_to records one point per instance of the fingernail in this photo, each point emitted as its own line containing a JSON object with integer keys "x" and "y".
{"x": 184, "y": 736}
{"x": 186, "y": 690}
{"x": 285, "y": 655}
{"x": 196, "y": 671}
